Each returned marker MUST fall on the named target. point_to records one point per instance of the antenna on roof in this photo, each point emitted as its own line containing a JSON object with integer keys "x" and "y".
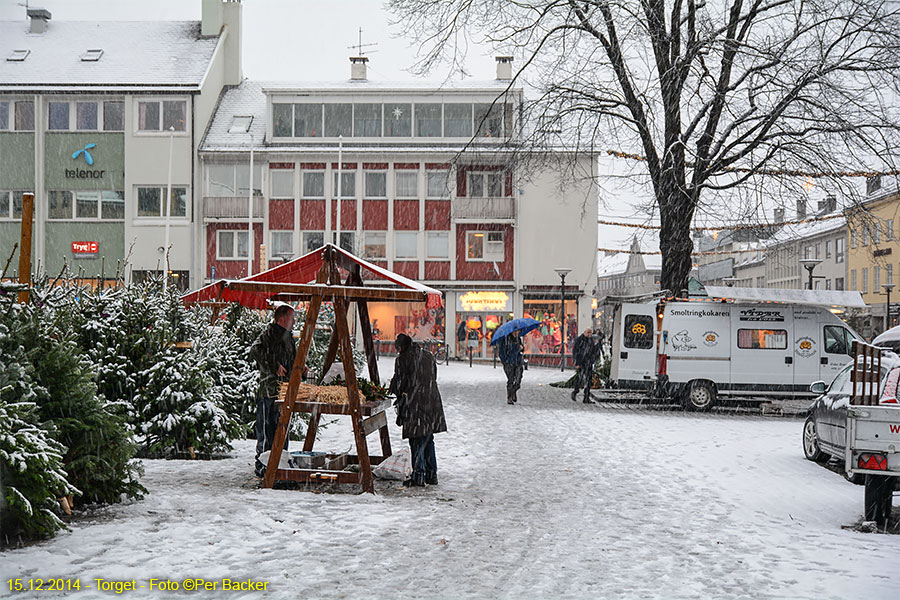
{"x": 361, "y": 48}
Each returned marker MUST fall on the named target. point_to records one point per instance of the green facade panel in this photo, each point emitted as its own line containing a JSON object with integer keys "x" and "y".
{"x": 66, "y": 158}
{"x": 10, "y": 234}
{"x": 16, "y": 161}
{"x": 109, "y": 236}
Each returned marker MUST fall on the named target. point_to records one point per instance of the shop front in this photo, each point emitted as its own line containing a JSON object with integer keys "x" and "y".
{"x": 389, "y": 319}
{"x": 542, "y": 346}
{"x": 478, "y": 314}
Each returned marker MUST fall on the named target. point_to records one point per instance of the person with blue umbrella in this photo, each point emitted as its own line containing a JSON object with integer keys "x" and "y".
{"x": 511, "y": 350}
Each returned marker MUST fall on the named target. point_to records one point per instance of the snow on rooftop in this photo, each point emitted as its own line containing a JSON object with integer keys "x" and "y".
{"x": 145, "y": 53}
{"x": 800, "y": 231}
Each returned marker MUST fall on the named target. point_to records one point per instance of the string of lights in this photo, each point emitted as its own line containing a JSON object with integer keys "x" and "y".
{"x": 658, "y": 253}
{"x": 725, "y": 227}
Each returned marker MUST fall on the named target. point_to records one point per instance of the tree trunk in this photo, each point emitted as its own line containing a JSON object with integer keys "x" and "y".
{"x": 676, "y": 212}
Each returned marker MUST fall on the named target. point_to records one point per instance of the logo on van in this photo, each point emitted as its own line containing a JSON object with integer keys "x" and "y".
{"x": 710, "y": 338}
{"x": 754, "y": 314}
{"x": 638, "y": 329}
{"x": 681, "y": 341}
{"x": 805, "y": 347}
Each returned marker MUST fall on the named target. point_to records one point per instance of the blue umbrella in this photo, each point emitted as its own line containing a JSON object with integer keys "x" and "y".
{"x": 523, "y": 325}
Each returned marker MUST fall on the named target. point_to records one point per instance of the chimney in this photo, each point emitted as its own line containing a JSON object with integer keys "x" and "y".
{"x": 39, "y": 18}
{"x": 779, "y": 215}
{"x": 358, "y": 68}
{"x": 504, "y": 68}
{"x": 823, "y": 206}
{"x": 830, "y": 203}
{"x": 801, "y": 208}
{"x": 211, "y": 19}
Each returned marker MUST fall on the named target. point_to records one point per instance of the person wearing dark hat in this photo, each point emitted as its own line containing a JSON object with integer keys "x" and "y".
{"x": 420, "y": 411}
{"x": 510, "y": 352}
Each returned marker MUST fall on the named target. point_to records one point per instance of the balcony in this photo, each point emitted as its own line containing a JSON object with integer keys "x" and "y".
{"x": 231, "y": 207}
{"x": 484, "y": 209}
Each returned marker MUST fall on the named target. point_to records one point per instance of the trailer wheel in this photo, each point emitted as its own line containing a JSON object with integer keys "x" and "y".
{"x": 811, "y": 442}
{"x": 879, "y": 494}
{"x": 700, "y": 396}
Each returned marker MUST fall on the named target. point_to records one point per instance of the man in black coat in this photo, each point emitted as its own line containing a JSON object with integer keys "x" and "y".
{"x": 586, "y": 351}
{"x": 419, "y": 408}
{"x": 273, "y": 351}
{"x": 511, "y": 349}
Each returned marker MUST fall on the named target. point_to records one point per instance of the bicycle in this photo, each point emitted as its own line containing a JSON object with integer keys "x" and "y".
{"x": 438, "y": 349}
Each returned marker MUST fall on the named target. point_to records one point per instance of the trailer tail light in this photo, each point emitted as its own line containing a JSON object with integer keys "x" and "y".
{"x": 872, "y": 462}
{"x": 662, "y": 363}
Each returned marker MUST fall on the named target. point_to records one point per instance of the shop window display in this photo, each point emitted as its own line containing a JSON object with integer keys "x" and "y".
{"x": 547, "y": 338}
{"x": 390, "y": 319}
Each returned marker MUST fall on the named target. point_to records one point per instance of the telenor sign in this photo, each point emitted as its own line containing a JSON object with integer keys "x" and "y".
{"x": 85, "y": 247}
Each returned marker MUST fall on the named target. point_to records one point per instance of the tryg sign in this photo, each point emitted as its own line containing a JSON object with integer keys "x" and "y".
{"x": 85, "y": 153}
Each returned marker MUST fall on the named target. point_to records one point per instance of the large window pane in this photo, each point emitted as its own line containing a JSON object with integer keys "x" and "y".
{"x": 17, "y": 201}
{"x": 474, "y": 245}
{"x": 112, "y": 205}
{"x": 59, "y": 116}
{"x": 4, "y": 205}
{"x": 243, "y": 246}
{"x": 221, "y": 180}
{"x": 338, "y": 120}
{"x": 397, "y": 120}
{"x": 282, "y": 119}
{"x": 149, "y": 202}
{"x": 25, "y": 115}
{"x": 87, "y": 205}
{"x": 282, "y": 183}
{"x": 313, "y": 240}
{"x": 226, "y": 244}
{"x": 437, "y": 184}
{"x": 282, "y": 243}
{"x": 457, "y": 120}
{"x": 148, "y": 116}
{"x": 406, "y": 184}
{"x": 307, "y": 120}
{"x": 242, "y": 177}
{"x": 348, "y": 184}
{"x": 347, "y": 241}
{"x": 4, "y": 116}
{"x": 475, "y": 188}
{"x": 59, "y": 205}
{"x": 374, "y": 245}
{"x": 405, "y": 243}
{"x": 507, "y": 120}
{"x": 313, "y": 185}
{"x": 86, "y": 116}
{"x": 488, "y": 120}
{"x": 428, "y": 120}
{"x": 178, "y": 207}
{"x": 113, "y": 116}
{"x": 367, "y": 120}
{"x": 495, "y": 185}
{"x": 437, "y": 244}
{"x": 376, "y": 185}
{"x": 174, "y": 115}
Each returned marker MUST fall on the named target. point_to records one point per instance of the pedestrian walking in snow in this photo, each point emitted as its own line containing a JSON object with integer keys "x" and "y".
{"x": 419, "y": 409}
{"x": 273, "y": 351}
{"x": 586, "y": 351}
{"x": 511, "y": 349}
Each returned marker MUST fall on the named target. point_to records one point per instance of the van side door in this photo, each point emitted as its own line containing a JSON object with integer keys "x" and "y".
{"x": 762, "y": 358}
{"x": 807, "y": 347}
{"x": 637, "y": 351}
{"x": 837, "y": 344}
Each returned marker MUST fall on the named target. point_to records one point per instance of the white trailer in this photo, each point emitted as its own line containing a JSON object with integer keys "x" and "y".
{"x": 731, "y": 344}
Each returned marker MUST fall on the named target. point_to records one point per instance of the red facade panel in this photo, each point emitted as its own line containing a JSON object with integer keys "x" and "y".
{"x": 281, "y": 214}
{"x": 407, "y": 268}
{"x": 437, "y": 215}
{"x": 406, "y": 165}
{"x": 406, "y": 215}
{"x": 437, "y": 270}
{"x": 230, "y": 269}
{"x": 346, "y": 167}
{"x": 348, "y": 215}
{"x": 380, "y": 166}
{"x": 366, "y": 274}
{"x": 484, "y": 269}
{"x": 375, "y": 215}
{"x": 312, "y": 215}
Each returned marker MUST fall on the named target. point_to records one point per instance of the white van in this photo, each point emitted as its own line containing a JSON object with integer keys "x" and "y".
{"x": 698, "y": 350}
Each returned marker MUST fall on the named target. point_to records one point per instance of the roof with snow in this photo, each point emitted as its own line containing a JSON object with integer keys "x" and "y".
{"x": 140, "y": 54}
{"x": 829, "y": 298}
{"x": 802, "y": 231}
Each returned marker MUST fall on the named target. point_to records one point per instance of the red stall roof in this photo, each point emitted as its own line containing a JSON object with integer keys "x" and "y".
{"x": 304, "y": 270}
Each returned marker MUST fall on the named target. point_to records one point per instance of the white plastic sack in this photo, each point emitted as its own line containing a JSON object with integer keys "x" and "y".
{"x": 396, "y": 466}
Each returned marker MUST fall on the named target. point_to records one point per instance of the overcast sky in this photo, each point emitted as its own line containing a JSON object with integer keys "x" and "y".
{"x": 299, "y": 40}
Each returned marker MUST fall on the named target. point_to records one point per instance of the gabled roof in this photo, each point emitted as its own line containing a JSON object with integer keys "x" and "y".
{"x": 136, "y": 54}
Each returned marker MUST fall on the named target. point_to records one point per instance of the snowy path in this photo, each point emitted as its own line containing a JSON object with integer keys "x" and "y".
{"x": 548, "y": 498}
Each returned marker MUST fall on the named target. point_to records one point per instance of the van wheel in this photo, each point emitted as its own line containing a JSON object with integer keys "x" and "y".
{"x": 700, "y": 396}
{"x": 811, "y": 442}
{"x": 879, "y": 494}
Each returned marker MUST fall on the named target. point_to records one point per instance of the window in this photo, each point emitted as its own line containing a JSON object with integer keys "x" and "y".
{"x": 348, "y": 239}
{"x": 58, "y": 116}
{"x": 406, "y": 184}
{"x": 397, "y": 120}
{"x": 59, "y": 205}
{"x": 113, "y": 116}
{"x": 828, "y": 250}
{"x": 4, "y": 116}
{"x": 876, "y": 234}
{"x": 4, "y": 205}
{"x": 307, "y": 120}
{"x": 232, "y": 244}
{"x": 92, "y": 55}
{"x": 488, "y": 120}
{"x": 367, "y": 120}
{"x": 853, "y": 280}
{"x": 484, "y": 245}
{"x": 282, "y": 183}
{"x": 827, "y": 284}
{"x": 233, "y": 179}
{"x": 174, "y": 115}
{"x": 807, "y": 252}
{"x": 282, "y": 120}
{"x": 819, "y": 250}
{"x": 837, "y": 340}
{"x": 338, "y": 120}
{"x": 888, "y": 229}
{"x": 376, "y": 185}
{"x": 18, "y": 55}
{"x": 150, "y": 201}
{"x": 348, "y": 184}
{"x": 437, "y": 244}
{"x": 839, "y": 250}
{"x": 85, "y": 205}
{"x": 314, "y": 185}
{"x": 458, "y": 120}
{"x": 889, "y": 274}
{"x": 112, "y": 205}
{"x": 485, "y": 185}
{"x": 148, "y": 116}
{"x": 865, "y": 235}
{"x": 638, "y": 331}
{"x": 405, "y": 244}
{"x": 865, "y": 281}
{"x": 839, "y": 284}
{"x": 11, "y": 204}
{"x": 240, "y": 124}
{"x": 876, "y": 279}
{"x": 313, "y": 240}
{"x": 374, "y": 244}
{"x": 86, "y": 114}
{"x": 853, "y": 238}
{"x": 162, "y": 115}
{"x": 762, "y": 339}
{"x": 437, "y": 184}
{"x": 282, "y": 244}
{"x": 428, "y": 120}
{"x": 873, "y": 184}
{"x": 25, "y": 115}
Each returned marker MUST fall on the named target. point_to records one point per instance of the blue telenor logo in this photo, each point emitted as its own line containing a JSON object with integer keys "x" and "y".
{"x": 87, "y": 155}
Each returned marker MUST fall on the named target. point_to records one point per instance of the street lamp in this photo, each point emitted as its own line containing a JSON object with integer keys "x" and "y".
{"x": 887, "y": 312}
{"x": 562, "y": 272}
{"x": 729, "y": 281}
{"x": 809, "y": 264}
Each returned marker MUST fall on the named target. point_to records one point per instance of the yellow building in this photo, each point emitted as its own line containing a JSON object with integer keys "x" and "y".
{"x": 873, "y": 254}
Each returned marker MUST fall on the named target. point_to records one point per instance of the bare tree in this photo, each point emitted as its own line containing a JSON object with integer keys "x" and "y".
{"x": 710, "y": 94}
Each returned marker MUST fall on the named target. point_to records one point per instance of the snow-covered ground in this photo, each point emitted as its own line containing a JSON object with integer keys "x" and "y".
{"x": 546, "y": 499}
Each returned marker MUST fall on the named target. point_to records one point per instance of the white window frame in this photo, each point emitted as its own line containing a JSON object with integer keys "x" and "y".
{"x": 486, "y": 256}
{"x": 365, "y": 191}
{"x": 433, "y": 235}
{"x": 415, "y": 236}
{"x": 162, "y": 194}
{"x": 10, "y": 213}
{"x": 398, "y": 173}
{"x": 161, "y": 132}
{"x": 74, "y": 218}
{"x": 366, "y": 235}
{"x": 303, "y": 248}
{"x": 485, "y": 179}
{"x": 234, "y": 233}
{"x": 446, "y": 175}
{"x": 283, "y": 233}
{"x": 273, "y": 174}
{"x": 304, "y": 174}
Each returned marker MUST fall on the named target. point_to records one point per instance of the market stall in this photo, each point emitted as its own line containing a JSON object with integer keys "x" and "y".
{"x": 316, "y": 277}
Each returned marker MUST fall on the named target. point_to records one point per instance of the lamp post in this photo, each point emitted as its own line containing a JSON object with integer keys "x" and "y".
{"x": 809, "y": 264}
{"x": 887, "y": 310}
{"x": 562, "y": 272}
{"x": 168, "y": 201}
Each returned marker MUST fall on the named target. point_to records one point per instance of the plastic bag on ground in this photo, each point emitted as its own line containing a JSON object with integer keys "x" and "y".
{"x": 396, "y": 466}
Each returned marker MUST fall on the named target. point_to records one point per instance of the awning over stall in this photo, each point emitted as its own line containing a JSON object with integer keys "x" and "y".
{"x": 826, "y": 298}
{"x": 303, "y": 270}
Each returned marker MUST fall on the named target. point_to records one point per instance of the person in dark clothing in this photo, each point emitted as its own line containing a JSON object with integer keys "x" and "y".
{"x": 586, "y": 351}
{"x": 273, "y": 351}
{"x": 511, "y": 349}
{"x": 419, "y": 409}
{"x": 461, "y": 339}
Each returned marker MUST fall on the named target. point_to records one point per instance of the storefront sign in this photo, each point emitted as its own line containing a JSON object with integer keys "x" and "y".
{"x": 85, "y": 249}
{"x": 483, "y": 301}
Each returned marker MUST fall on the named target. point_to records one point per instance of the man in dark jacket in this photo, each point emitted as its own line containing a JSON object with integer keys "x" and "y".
{"x": 273, "y": 351}
{"x": 419, "y": 407}
{"x": 585, "y": 352}
{"x": 511, "y": 349}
